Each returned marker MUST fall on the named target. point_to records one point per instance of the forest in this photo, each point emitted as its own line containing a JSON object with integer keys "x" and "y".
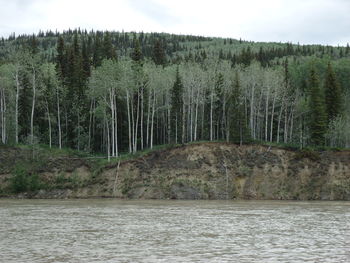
{"x": 114, "y": 92}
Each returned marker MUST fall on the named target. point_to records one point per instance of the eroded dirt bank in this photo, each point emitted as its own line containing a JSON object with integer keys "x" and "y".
{"x": 201, "y": 171}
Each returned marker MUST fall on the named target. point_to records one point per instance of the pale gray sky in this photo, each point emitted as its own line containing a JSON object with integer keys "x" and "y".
{"x": 304, "y": 21}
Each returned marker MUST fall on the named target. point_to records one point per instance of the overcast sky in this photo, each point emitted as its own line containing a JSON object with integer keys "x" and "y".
{"x": 304, "y": 21}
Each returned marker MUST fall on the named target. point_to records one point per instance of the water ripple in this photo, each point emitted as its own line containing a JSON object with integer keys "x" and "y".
{"x": 45, "y": 231}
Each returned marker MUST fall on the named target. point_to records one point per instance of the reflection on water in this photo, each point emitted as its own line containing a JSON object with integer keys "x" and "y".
{"x": 173, "y": 231}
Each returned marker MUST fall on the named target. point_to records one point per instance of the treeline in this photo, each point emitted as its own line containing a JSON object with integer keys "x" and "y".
{"x": 92, "y": 93}
{"x": 178, "y": 48}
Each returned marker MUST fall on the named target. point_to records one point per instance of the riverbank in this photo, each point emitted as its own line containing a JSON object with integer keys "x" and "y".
{"x": 196, "y": 171}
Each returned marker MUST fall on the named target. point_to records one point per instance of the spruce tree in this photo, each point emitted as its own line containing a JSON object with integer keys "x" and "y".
{"x": 136, "y": 54}
{"x": 61, "y": 58}
{"x": 97, "y": 51}
{"x": 158, "y": 53}
{"x": 108, "y": 49}
{"x": 176, "y": 108}
{"x": 85, "y": 59}
{"x": 238, "y": 124}
{"x": 332, "y": 95}
{"x": 33, "y": 45}
{"x": 318, "y": 121}
{"x": 78, "y": 76}
{"x": 218, "y": 102}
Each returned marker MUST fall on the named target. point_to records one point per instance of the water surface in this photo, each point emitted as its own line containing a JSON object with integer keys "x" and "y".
{"x": 173, "y": 231}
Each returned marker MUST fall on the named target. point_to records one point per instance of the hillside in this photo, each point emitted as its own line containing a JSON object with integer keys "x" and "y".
{"x": 195, "y": 171}
{"x": 111, "y": 92}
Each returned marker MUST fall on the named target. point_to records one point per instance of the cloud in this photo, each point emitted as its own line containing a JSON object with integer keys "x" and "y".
{"x": 304, "y": 21}
{"x": 155, "y": 11}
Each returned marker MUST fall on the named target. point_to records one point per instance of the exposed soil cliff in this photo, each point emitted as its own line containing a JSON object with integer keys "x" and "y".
{"x": 200, "y": 171}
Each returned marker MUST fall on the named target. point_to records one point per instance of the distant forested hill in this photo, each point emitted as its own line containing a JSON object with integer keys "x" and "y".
{"x": 117, "y": 91}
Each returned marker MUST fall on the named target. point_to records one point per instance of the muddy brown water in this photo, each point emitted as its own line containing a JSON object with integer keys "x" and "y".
{"x": 173, "y": 231}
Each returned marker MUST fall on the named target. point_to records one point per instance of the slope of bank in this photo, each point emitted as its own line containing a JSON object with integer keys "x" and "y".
{"x": 196, "y": 171}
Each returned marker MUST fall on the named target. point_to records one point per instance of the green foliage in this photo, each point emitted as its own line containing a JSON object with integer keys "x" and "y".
{"x": 22, "y": 181}
{"x": 109, "y": 51}
{"x": 159, "y": 56}
{"x": 318, "y": 122}
{"x": 136, "y": 54}
{"x": 177, "y": 108}
{"x": 19, "y": 180}
{"x": 267, "y": 99}
{"x": 332, "y": 95}
{"x": 35, "y": 183}
{"x": 239, "y": 132}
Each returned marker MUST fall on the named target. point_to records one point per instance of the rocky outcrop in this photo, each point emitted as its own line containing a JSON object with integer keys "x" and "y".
{"x": 215, "y": 171}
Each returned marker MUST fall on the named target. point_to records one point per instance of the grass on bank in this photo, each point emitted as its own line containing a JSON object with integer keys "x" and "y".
{"x": 24, "y": 171}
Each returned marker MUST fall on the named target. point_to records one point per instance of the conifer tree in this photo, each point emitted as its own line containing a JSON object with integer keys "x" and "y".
{"x": 318, "y": 121}
{"x": 85, "y": 59}
{"x": 218, "y": 105}
{"x": 176, "y": 108}
{"x": 109, "y": 51}
{"x": 97, "y": 51}
{"x": 138, "y": 105}
{"x": 136, "y": 55}
{"x": 61, "y": 60}
{"x": 332, "y": 94}
{"x": 158, "y": 53}
{"x": 33, "y": 45}
{"x": 238, "y": 124}
{"x": 77, "y": 77}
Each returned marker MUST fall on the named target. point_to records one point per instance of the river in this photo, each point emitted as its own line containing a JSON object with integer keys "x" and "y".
{"x": 108, "y": 230}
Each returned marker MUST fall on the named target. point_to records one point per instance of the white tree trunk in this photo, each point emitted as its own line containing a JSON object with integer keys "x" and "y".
{"x": 291, "y": 126}
{"x": 16, "y": 110}
{"x": 116, "y": 126}
{"x": 78, "y": 130}
{"x": 183, "y": 124}
{"x": 211, "y": 116}
{"x": 191, "y": 113}
{"x": 137, "y": 121}
{"x": 285, "y": 130}
{"x": 33, "y": 107}
{"x": 267, "y": 111}
{"x": 252, "y": 110}
{"x": 111, "y": 103}
{"x": 129, "y": 121}
{"x": 90, "y": 122}
{"x": 272, "y": 117}
{"x": 152, "y": 119}
{"x": 3, "y": 115}
{"x": 49, "y": 122}
{"x": 108, "y": 140}
{"x": 196, "y": 117}
{"x": 141, "y": 121}
{"x": 224, "y": 129}
{"x": 169, "y": 122}
{"x": 148, "y": 119}
{"x": 257, "y": 130}
{"x": 279, "y": 120}
{"x": 59, "y": 121}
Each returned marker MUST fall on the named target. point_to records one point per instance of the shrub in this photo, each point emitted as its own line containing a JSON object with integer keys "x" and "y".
{"x": 34, "y": 183}
{"x": 19, "y": 180}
